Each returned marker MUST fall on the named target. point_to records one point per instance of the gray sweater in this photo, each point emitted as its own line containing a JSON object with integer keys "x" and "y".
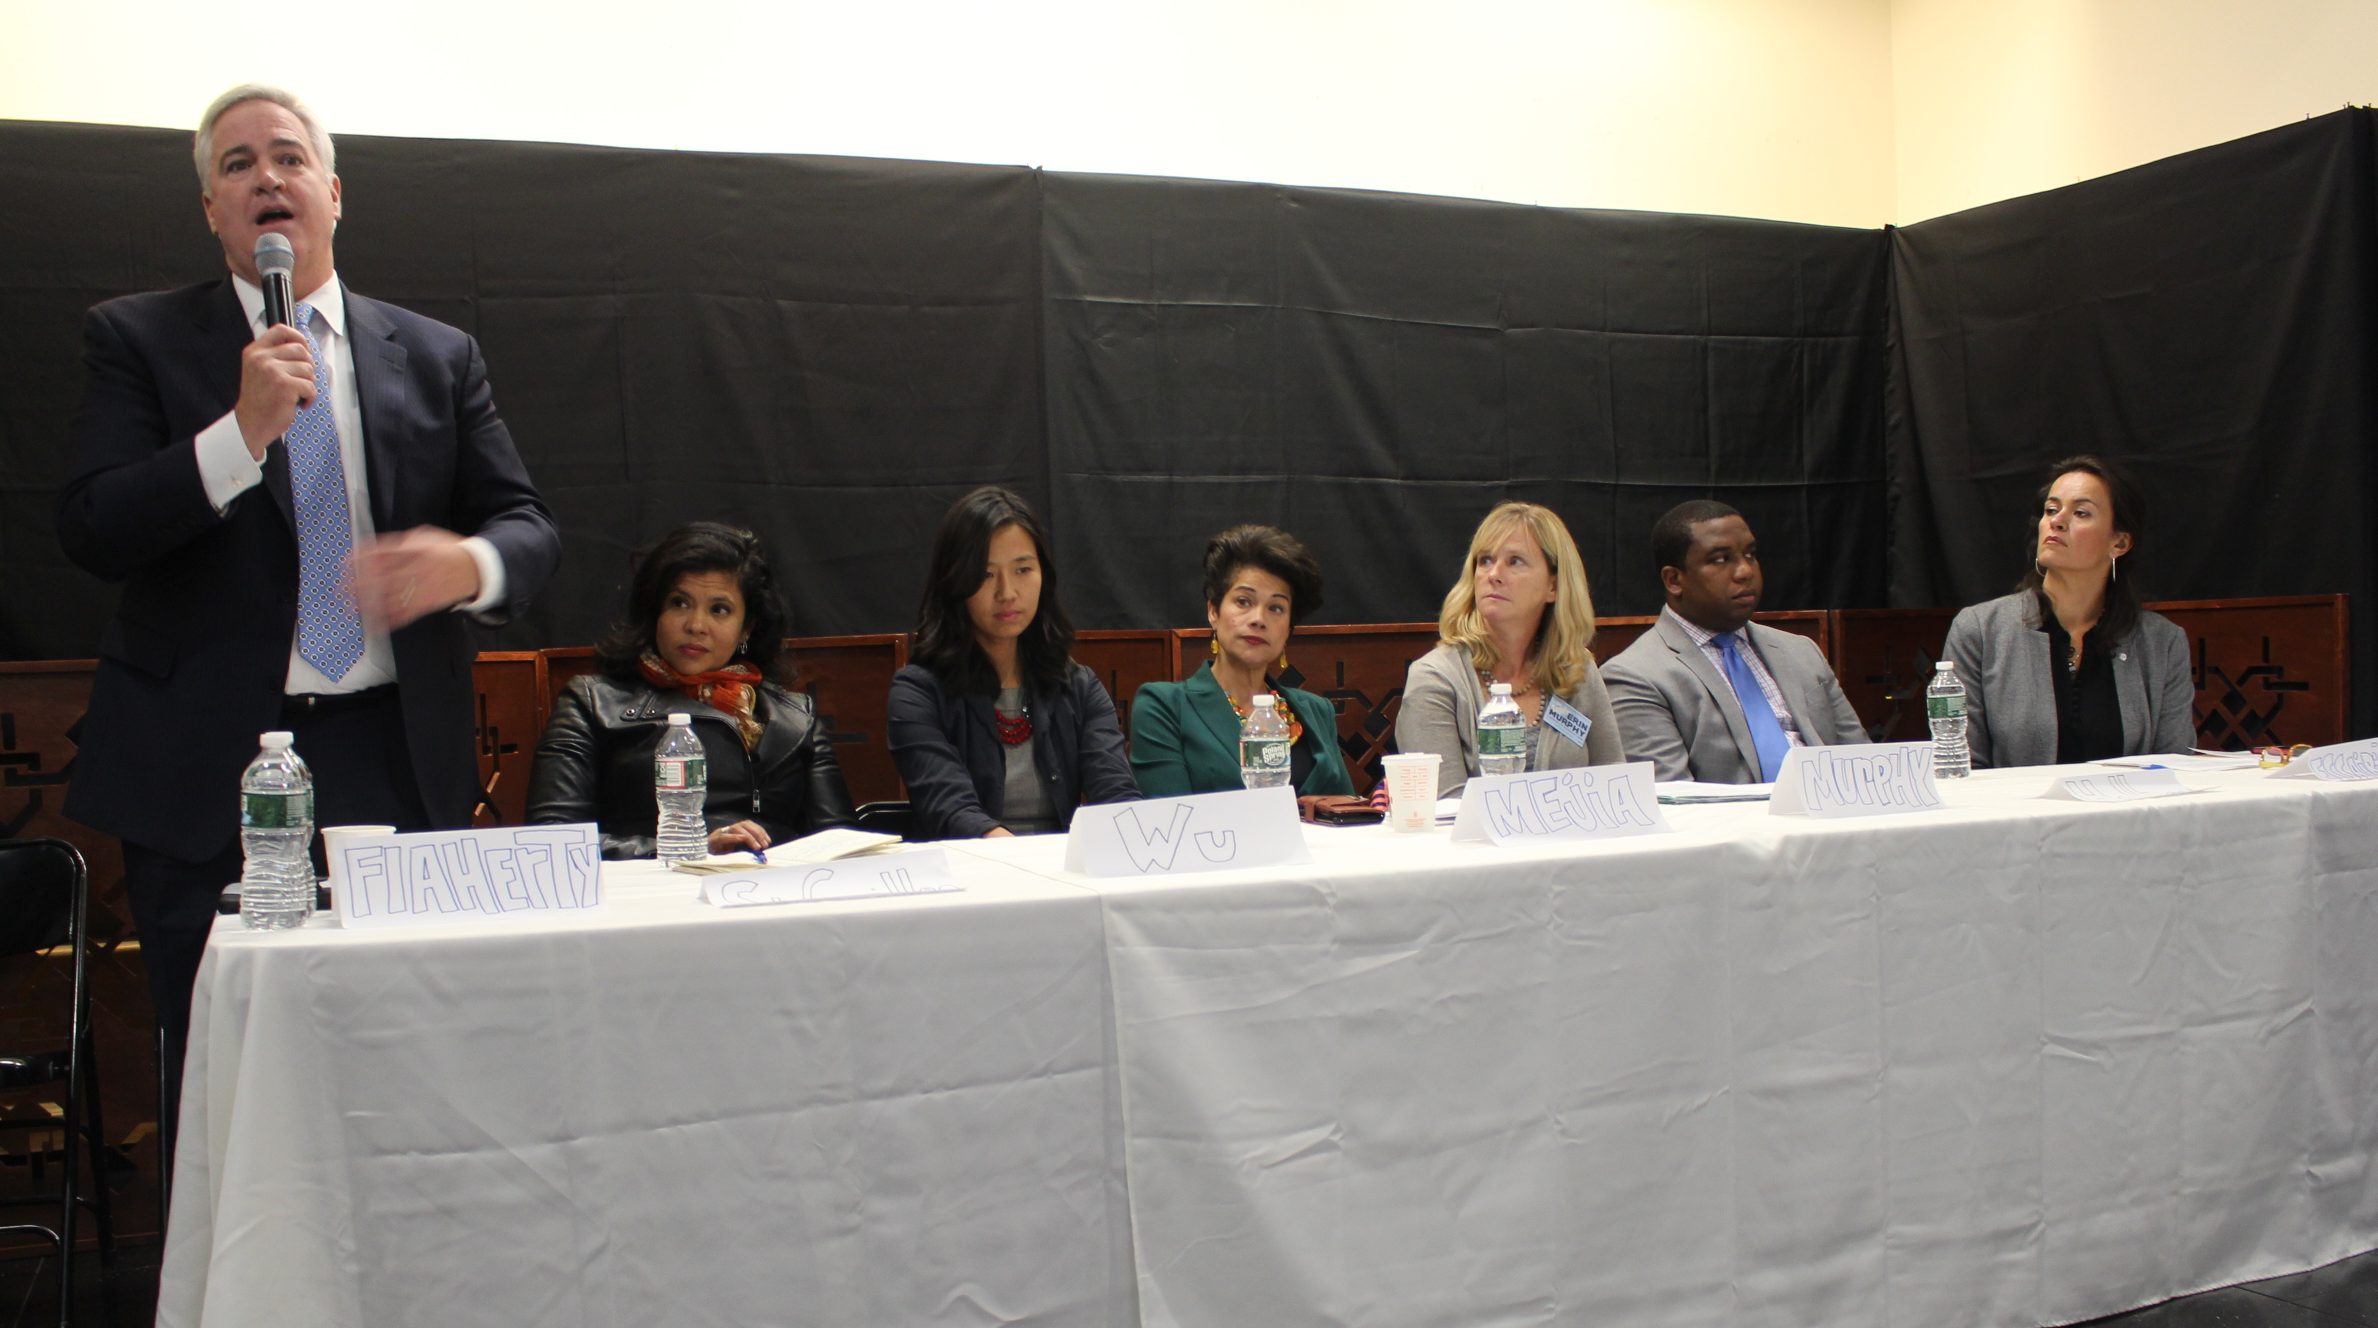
{"x": 1440, "y": 714}
{"x": 2001, "y": 652}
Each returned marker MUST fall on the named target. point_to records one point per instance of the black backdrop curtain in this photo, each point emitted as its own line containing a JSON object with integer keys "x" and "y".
{"x": 2210, "y": 319}
{"x": 829, "y": 350}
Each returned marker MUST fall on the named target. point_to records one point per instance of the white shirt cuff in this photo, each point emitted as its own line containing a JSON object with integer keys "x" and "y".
{"x": 491, "y": 576}
{"x": 224, "y": 466}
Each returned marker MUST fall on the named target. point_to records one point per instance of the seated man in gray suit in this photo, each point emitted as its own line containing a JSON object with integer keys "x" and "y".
{"x": 1707, "y": 694}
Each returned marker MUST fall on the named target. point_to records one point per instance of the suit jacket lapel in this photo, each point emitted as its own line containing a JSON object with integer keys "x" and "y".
{"x": 1721, "y": 692}
{"x": 380, "y": 392}
{"x": 1212, "y": 707}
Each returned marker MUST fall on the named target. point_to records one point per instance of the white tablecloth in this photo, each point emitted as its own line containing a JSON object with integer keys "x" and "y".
{"x": 891, "y": 1112}
{"x": 2011, "y": 1063}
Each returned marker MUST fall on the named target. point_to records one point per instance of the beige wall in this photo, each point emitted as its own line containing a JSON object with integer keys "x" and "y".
{"x": 1996, "y": 98}
{"x": 1850, "y": 112}
{"x": 1774, "y": 108}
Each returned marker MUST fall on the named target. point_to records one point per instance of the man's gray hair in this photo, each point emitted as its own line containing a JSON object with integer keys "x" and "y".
{"x": 203, "y": 147}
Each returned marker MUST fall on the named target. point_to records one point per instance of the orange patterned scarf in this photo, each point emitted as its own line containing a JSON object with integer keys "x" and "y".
{"x": 730, "y": 690}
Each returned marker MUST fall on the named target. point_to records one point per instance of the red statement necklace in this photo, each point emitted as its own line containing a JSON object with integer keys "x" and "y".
{"x": 1296, "y": 727}
{"x": 1014, "y": 730}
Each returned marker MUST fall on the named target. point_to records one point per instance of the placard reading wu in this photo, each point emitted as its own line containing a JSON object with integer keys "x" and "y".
{"x": 1199, "y": 833}
{"x": 448, "y": 876}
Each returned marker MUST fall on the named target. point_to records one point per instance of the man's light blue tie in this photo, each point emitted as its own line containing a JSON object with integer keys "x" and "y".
{"x": 329, "y": 630}
{"x": 1766, "y": 731}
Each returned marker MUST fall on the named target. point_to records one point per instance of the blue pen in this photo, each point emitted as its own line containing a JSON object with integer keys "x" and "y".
{"x": 759, "y": 855}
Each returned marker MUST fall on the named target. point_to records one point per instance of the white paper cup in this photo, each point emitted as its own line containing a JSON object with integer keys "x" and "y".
{"x": 1412, "y": 790}
{"x": 333, "y": 835}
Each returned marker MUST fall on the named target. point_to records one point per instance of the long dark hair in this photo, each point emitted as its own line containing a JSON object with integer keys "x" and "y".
{"x": 702, "y": 546}
{"x": 2129, "y": 517}
{"x": 944, "y": 639}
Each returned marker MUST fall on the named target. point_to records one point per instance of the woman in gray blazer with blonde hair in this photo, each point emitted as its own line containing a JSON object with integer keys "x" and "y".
{"x": 2071, "y": 667}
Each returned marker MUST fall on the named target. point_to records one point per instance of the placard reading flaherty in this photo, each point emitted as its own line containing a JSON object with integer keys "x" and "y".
{"x": 2342, "y": 761}
{"x": 916, "y": 871}
{"x": 1200, "y": 833}
{"x": 1588, "y": 802}
{"x": 2126, "y": 786}
{"x": 467, "y": 875}
{"x": 1867, "y": 779}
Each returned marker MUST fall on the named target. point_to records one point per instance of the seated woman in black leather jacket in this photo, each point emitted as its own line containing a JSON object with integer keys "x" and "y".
{"x": 704, "y": 635}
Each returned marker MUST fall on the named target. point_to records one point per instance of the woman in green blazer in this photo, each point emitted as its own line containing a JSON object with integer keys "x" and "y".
{"x": 1259, "y": 583}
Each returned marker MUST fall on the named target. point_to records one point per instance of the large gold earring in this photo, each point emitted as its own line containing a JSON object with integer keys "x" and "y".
{"x": 1214, "y": 645}
{"x": 1283, "y": 664}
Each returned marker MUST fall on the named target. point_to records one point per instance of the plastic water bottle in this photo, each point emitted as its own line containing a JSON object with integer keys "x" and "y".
{"x": 276, "y": 833}
{"x": 1502, "y": 734}
{"x": 680, "y": 784}
{"x": 1263, "y": 745}
{"x": 1944, "y": 704}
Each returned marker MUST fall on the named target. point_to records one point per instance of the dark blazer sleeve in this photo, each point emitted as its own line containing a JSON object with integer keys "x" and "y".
{"x": 804, "y": 793}
{"x": 940, "y": 791}
{"x": 1105, "y": 771}
{"x": 132, "y": 493}
{"x": 1159, "y": 764}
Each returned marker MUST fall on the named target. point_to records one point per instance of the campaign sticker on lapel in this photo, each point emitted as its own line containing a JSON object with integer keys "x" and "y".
{"x": 445, "y": 876}
{"x": 1175, "y": 836}
{"x": 1867, "y": 779}
{"x": 1567, "y": 720}
{"x": 1588, "y": 802}
{"x": 2341, "y": 762}
{"x": 916, "y": 871}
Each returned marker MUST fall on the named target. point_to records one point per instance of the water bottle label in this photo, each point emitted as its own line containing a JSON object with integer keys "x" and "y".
{"x": 1945, "y": 707}
{"x": 679, "y": 773}
{"x": 1502, "y": 742}
{"x": 1263, "y": 754}
{"x": 276, "y": 811}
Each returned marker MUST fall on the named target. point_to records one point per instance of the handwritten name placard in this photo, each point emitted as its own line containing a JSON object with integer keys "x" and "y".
{"x": 2128, "y": 786}
{"x": 2341, "y": 762}
{"x": 467, "y": 875}
{"x": 917, "y": 871}
{"x": 1593, "y": 802}
{"x": 1176, "y": 836}
{"x": 1867, "y": 779}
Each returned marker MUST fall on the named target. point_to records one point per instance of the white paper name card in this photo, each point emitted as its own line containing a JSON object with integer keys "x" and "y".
{"x": 1593, "y": 802}
{"x": 467, "y": 875}
{"x": 1176, "y": 836}
{"x": 918, "y": 871}
{"x": 2344, "y": 761}
{"x": 2129, "y": 786}
{"x": 1869, "y": 779}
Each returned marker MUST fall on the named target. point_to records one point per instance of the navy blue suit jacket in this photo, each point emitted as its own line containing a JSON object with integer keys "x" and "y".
{"x": 194, "y": 664}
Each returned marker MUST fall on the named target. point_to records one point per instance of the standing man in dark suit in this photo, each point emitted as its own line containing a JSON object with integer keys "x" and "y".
{"x": 301, "y": 519}
{"x": 1708, "y": 694}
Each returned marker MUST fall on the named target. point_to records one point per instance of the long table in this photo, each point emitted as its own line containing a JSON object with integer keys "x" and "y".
{"x": 2011, "y": 1063}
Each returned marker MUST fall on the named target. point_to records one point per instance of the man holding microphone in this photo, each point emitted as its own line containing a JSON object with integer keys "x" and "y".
{"x": 302, "y": 515}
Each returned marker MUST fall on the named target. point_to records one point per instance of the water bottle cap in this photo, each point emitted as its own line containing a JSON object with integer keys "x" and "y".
{"x": 275, "y": 740}
{"x": 680, "y": 717}
{"x": 1945, "y": 666}
{"x": 1263, "y": 699}
{"x": 1502, "y": 689}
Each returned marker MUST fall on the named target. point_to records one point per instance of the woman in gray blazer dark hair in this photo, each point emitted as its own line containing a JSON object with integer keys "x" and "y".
{"x": 2071, "y": 667}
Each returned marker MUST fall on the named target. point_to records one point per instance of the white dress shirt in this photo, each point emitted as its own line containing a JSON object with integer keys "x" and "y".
{"x": 227, "y": 470}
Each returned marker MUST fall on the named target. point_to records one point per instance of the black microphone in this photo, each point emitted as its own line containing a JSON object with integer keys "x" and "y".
{"x": 275, "y": 260}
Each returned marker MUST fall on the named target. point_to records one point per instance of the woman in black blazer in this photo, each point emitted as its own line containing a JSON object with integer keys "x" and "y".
{"x": 704, "y": 635}
{"x": 995, "y": 729}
